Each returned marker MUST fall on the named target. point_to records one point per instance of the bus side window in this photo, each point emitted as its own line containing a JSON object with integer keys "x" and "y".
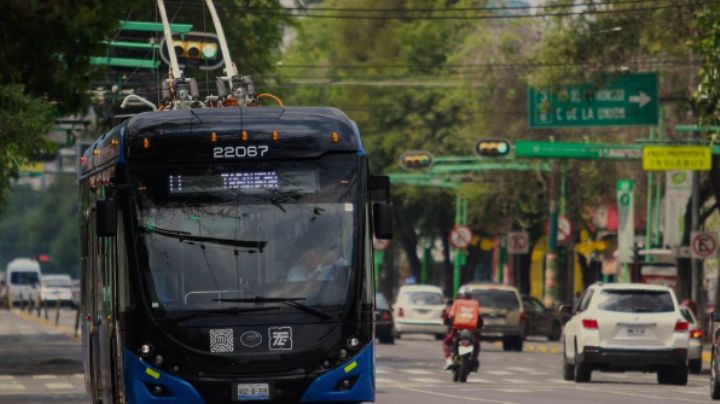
{"x": 123, "y": 275}
{"x": 368, "y": 297}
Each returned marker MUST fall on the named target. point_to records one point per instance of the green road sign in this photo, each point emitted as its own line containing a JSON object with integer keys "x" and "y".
{"x": 628, "y": 100}
{"x": 585, "y": 151}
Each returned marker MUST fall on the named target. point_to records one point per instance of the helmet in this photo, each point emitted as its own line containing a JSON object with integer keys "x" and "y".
{"x": 464, "y": 294}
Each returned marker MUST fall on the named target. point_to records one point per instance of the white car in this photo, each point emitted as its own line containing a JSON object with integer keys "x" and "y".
{"x": 695, "y": 346}
{"x": 56, "y": 288}
{"x": 419, "y": 309}
{"x": 626, "y": 327}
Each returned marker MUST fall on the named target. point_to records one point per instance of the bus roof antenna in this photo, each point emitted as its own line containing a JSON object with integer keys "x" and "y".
{"x": 174, "y": 67}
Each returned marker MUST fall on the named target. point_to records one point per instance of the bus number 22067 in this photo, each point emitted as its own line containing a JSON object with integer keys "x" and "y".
{"x": 231, "y": 152}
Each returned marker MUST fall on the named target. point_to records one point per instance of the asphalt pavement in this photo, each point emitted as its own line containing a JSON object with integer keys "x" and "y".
{"x": 410, "y": 372}
{"x": 40, "y": 363}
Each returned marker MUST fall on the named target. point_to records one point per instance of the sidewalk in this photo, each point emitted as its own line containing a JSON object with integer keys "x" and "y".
{"x": 66, "y": 324}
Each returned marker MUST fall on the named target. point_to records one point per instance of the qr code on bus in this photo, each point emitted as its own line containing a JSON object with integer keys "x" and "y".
{"x": 222, "y": 340}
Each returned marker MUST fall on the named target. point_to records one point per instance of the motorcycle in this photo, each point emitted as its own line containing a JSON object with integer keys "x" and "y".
{"x": 464, "y": 345}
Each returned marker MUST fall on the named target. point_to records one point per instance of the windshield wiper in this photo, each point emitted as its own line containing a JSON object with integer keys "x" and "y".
{"x": 230, "y": 310}
{"x": 186, "y": 236}
{"x": 293, "y": 302}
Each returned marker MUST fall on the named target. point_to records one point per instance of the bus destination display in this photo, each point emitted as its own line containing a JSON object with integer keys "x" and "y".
{"x": 245, "y": 182}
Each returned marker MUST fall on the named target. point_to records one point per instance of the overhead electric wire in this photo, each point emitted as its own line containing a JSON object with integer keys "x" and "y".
{"x": 311, "y": 14}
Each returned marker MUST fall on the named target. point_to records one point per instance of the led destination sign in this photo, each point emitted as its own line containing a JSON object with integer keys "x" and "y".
{"x": 304, "y": 182}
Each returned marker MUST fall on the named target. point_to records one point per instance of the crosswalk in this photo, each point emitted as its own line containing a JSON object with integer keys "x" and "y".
{"x": 50, "y": 384}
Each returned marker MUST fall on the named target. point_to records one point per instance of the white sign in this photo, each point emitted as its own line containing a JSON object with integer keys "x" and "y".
{"x": 564, "y": 229}
{"x": 703, "y": 244}
{"x": 461, "y": 236}
{"x": 678, "y": 189}
{"x": 518, "y": 242}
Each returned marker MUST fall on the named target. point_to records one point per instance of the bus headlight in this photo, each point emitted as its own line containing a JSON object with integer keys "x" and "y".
{"x": 353, "y": 343}
{"x": 343, "y": 354}
{"x": 146, "y": 350}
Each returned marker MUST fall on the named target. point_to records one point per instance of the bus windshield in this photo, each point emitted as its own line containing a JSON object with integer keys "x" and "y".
{"x": 246, "y": 236}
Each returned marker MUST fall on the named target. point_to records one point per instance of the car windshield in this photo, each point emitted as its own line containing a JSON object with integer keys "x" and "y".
{"x": 496, "y": 298}
{"x": 425, "y": 298}
{"x": 24, "y": 278}
{"x": 636, "y": 301}
{"x": 243, "y": 236}
{"x": 381, "y": 303}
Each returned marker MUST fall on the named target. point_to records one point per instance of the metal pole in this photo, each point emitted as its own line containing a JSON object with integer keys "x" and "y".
{"x": 424, "y": 269}
{"x": 229, "y": 68}
{"x": 696, "y": 279}
{"x": 550, "y": 290}
{"x": 648, "y": 213}
{"x": 176, "y": 72}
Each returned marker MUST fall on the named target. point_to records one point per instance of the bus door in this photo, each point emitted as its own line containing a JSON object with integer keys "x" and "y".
{"x": 105, "y": 316}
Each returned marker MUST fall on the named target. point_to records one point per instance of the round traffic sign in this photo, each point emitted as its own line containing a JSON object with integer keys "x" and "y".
{"x": 564, "y": 229}
{"x": 703, "y": 244}
{"x": 460, "y": 236}
{"x": 380, "y": 244}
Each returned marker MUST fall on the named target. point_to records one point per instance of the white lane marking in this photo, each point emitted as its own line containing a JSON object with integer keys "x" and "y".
{"x": 417, "y": 371}
{"x": 7, "y": 377}
{"x": 381, "y": 372}
{"x": 468, "y": 398}
{"x": 44, "y": 377}
{"x": 498, "y": 372}
{"x": 425, "y": 380}
{"x": 57, "y": 386}
{"x": 385, "y": 381}
{"x": 511, "y": 390}
{"x": 477, "y": 380}
{"x": 645, "y": 396}
{"x": 517, "y": 381}
{"x": 521, "y": 369}
{"x": 79, "y": 376}
{"x": 11, "y": 386}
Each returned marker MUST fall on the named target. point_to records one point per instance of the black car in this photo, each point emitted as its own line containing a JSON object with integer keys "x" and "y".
{"x": 541, "y": 321}
{"x": 384, "y": 324}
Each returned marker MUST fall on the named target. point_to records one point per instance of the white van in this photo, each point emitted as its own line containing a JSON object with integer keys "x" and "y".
{"x": 23, "y": 279}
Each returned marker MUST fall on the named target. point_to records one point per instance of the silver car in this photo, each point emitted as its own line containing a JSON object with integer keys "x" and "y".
{"x": 695, "y": 345}
{"x": 419, "y": 309}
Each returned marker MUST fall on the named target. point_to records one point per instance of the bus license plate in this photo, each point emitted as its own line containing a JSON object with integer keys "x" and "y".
{"x": 252, "y": 391}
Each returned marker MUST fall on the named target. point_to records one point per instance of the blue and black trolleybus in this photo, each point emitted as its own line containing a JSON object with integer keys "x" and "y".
{"x": 227, "y": 256}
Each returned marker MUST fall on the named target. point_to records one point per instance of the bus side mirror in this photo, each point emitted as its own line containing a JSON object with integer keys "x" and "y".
{"x": 383, "y": 220}
{"x": 106, "y": 218}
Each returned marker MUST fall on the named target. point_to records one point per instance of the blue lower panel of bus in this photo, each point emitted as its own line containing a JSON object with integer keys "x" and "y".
{"x": 358, "y": 371}
{"x": 141, "y": 377}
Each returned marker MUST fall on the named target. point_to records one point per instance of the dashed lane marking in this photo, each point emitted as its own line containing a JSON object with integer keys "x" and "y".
{"x": 386, "y": 381}
{"x": 11, "y": 386}
{"x": 58, "y": 386}
{"x": 466, "y": 398}
{"x": 498, "y": 372}
{"x": 44, "y": 377}
{"x": 517, "y": 381}
{"x": 425, "y": 380}
{"x": 7, "y": 377}
{"x": 521, "y": 369}
{"x": 79, "y": 376}
{"x": 478, "y": 380}
{"x": 381, "y": 372}
{"x": 417, "y": 371}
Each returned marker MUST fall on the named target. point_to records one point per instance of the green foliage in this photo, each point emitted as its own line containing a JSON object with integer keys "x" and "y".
{"x": 43, "y": 222}
{"x": 22, "y": 119}
{"x": 706, "y": 98}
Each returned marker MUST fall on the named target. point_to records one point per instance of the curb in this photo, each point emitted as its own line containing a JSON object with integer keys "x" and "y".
{"x": 45, "y": 323}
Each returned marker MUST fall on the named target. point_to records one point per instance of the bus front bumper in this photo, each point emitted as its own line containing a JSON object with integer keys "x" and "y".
{"x": 352, "y": 381}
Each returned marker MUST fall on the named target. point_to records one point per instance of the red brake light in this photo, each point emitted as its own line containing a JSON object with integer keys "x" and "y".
{"x": 681, "y": 326}
{"x": 386, "y": 316}
{"x": 590, "y": 324}
{"x": 696, "y": 334}
{"x": 522, "y": 317}
{"x": 400, "y": 312}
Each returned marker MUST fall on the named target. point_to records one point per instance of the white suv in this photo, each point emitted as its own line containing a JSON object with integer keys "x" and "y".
{"x": 626, "y": 327}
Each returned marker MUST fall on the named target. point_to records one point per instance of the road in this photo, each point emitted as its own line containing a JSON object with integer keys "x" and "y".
{"x": 410, "y": 372}
{"x": 40, "y": 363}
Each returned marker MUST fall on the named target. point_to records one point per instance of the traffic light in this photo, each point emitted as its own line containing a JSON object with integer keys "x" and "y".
{"x": 197, "y": 49}
{"x": 493, "y": 148}
{"x": 416, "y": 160}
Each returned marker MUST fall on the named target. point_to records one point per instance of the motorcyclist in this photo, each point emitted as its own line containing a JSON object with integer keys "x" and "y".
{"x": 463, "y": 315}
